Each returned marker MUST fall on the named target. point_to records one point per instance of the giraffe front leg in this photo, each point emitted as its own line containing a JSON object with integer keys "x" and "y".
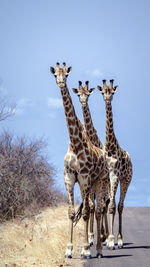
{"x": 91, "y": 232}
{"x": 85, "y": 253}
{"x": 124, "y": 184}
{"x": 99, "y": 213}
{"x": 99, "y": 221}
{"x": 106, "y": 227}
{"x": 71, "y": 214}
{"x": 68, "y": 253}
{"x": 104, "y": 230}
{"x": 91, "y": 220}
{"x": 120, "y": 237}
{"x": 69, "y": 183}
{"x": 112, "y": 210}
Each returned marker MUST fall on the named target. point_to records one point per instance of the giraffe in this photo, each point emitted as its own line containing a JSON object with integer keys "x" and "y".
{"x": 83, "y": 163}
{"x": 83, "y": 94}
{"x": 119, "y": 163}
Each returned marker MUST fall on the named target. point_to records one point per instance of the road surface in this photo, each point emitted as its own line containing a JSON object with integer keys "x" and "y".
{"x": 136, "y": 250}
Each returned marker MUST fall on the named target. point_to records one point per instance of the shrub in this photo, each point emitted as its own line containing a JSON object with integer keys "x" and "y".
{"x": 26, "y": 177}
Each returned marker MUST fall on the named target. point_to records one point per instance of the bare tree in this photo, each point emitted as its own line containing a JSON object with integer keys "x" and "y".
{"x": 25, "y": 176}
{"x": 7, "y": 108}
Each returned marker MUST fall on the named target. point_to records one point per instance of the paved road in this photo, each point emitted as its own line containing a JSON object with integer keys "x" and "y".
{"x": 136, "y": 251}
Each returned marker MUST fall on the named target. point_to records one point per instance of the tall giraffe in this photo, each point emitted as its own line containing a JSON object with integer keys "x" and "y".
{"x": 83, "y": 163}
{"x": 119, "y": 163}
{"x": 83, "y": 94}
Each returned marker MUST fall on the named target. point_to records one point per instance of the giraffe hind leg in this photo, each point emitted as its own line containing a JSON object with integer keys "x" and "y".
{"x": 85, "y": 253}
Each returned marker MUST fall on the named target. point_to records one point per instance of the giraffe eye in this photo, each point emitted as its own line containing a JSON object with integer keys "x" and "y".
{"x": 55, "y": 75}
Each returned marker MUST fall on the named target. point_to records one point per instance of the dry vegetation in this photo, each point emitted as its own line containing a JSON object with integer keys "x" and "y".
{"x": 33, "y": 214}
{"x": 39, "y": 240}
{"x": 26, "y": 177}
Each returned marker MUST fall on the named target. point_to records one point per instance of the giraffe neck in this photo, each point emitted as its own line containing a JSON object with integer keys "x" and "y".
{"x": 91, "y": 131}
{"x": 75, "y": 127}
{"x": 111, "y": 143}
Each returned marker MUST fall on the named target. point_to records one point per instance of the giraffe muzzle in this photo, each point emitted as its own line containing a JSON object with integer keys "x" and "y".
{"x": 84, "y": 104}
{"x": 62, "y": 85}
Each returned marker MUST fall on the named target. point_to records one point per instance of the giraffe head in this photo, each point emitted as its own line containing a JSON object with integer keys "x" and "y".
{"x": 107, "y": 90}
{"x": 61, "y": 74}
{"x": 83, "y": 92}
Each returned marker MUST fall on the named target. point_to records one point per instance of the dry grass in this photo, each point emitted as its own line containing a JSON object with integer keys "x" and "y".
{"x": 37, "y": 241}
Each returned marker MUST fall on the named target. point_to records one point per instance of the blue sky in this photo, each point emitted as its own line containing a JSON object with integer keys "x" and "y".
{"x": 100, "y": 40}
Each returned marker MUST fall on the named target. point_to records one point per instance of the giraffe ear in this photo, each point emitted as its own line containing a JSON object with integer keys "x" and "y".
{"x": 91, "y": 90}
{"x": 115, "y": 87}
{"x": 75, "y": 90}
{"x": 99, "y": 88}
{"x": 52, "y": 70}
{"x": 69, "y": 70}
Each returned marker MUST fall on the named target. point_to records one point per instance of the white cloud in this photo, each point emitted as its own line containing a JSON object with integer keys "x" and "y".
{"x": 51, "y": 115}
{"x": 3, "y": 90}
{"x": 95, "y": 73}
{"x": 55, "y": 102}
{"x": 25, "y": 102}
{"x": 22, "y": 105}
{"x": 132, "y": 188}
{"x": 19, "y": 111}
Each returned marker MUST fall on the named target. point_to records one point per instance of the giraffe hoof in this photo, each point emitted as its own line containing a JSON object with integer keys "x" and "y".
{"x": 68, "y": 256}
{"x": 87, "y": 257}
{"x": 99, "y": 255}
{"x": 103, "y": 239}
{"x": 120, "y": 246}
{"x": 111, "y": 248}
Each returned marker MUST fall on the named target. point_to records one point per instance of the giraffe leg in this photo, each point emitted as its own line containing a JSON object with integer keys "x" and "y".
{"x": 91, "y": 220}
{"x": 69, "y": 183}
{"x": 124, "y": 184}
{"x": 99, "y": 212}
{"x": 106, "y": 230}
{"x": 103, "y": 230}
{"x": 112, "y": 209}
{"x": 99, "y": 220}
{"x": 85, "y": 253}
{"x": 105, "y": 189}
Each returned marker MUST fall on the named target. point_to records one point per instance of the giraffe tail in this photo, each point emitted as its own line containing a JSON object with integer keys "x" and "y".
{"x": 107, "y": 202}
{"x": 79, "y": 212}
{"x": 78, "y": 215}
